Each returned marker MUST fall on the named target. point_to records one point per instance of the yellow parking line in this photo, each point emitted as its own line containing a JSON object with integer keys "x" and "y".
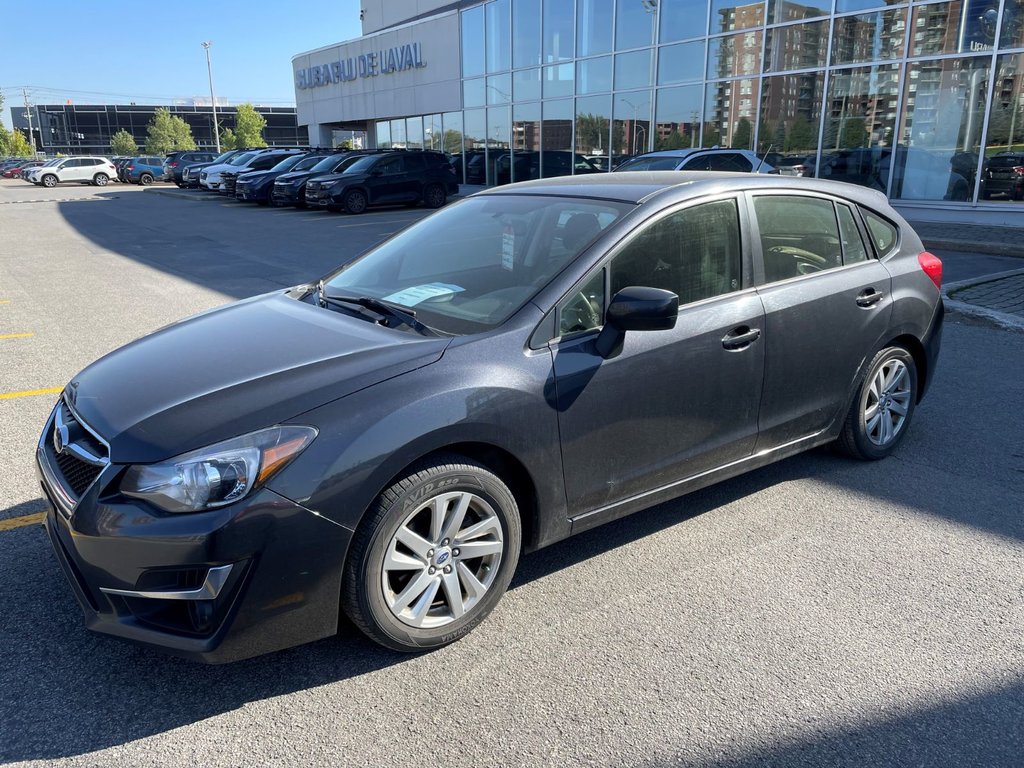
{"x": 5, "y": 301}
{"x": 20, "y": 522}
{"x": 30, "y": 392}
{"x": 15, "y": 335}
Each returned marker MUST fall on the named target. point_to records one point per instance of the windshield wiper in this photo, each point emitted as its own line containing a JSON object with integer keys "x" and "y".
{"x": 387, "y": 314}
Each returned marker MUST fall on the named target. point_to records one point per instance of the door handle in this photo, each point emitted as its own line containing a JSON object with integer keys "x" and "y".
{"x": 740, "y": 338}
{"x": 869, "y": 297}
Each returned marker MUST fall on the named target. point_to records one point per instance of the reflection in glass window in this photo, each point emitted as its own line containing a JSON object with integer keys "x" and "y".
{"x": 682, "y": 63}
{"x": 730, "y": 109}
{"x": 414, "y": 132}
{"x": 526, "y": 84}
{"x": 843, "y": 6}
{"x": 633, "y": 70}
{"x": 475, "y": 144}
{"x": 695, "y": 253}
{"x": 727, "y": 15}
{"x": 798, "y": 46}
{"x": 942, "y": 118}
{"x": 525, "y": 33}
{"x": 735, "y": 55}
{"x": 631, "y": 126}
{"x": 451, "y": 125}
{"x": 860, "y": 123}
{"x": 683, "y": 19}
{"x": 472, "y": 42}
{"x": 499, "y": 140}
{"x": 525, "y": 142}
{"x": 946, "y": 28}
{"x": 594, "y": 75}
{"x": 593, "y": 122}
{"x": 594, "y": 27}
{"x": 499, "y": 35}
{"x": 559, "y": 35}
{"x": 398, "y": 134}
{"x": 677, "y": 117}
{"x": 474, "y": 92}
{"x": 791, "y": 112}
{"x": 1002, "y": 176}
{"x": 499, "y": 89}
{"x": 634, "y": 23}
{"x": 432, "y": 133}
{"x": 558, "y": 81}
{"x": 384, "y": 134}
{"x": 1012, "y": 33}
{"x": 869, "y": 36}
{"x": 556, "y": 135}
{"x": 781, "y": 11}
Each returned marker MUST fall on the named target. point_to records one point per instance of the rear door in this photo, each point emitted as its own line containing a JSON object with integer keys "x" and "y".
{"x": 827, "y": 304}
{"x": 388, "y": 181}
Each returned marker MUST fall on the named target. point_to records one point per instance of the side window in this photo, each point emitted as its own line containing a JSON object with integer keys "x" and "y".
{"x": 698, "y": 163}
{"x": 695, "y": 253}
{"x": 853, "y": 244}
{"x": 799, "y": 235}
{"x": 415, "y": 163}
{"x": 391, "y": 167}
{"x": 584, "y": 309}
{"x": 883, "y": 234}
{"x": 729, "y": 161}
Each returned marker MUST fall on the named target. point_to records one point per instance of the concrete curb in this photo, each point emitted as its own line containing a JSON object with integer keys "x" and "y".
{"x": 973, "y": 246}
{"x": 1002, "y": 319}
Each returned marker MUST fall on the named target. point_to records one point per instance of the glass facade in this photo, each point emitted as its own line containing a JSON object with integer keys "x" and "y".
{"x": 922, "y": 100}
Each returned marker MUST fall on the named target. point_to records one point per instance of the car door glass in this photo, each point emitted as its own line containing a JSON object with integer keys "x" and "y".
{"x": 799, "y": 235}
{"x": 583, "y": 310}
{"x": 883, "y": 234}
{"x": 729, "y": 161}
{"x": 415, "y": 163}
{"x": 698, "y": 163}
{"x": 694, "y": 252}
{"x": 391, "y": 167}
{"x": 853, "y": 244}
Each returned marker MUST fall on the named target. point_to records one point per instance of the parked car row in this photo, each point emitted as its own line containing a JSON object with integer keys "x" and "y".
{"x": 348, "y": 180}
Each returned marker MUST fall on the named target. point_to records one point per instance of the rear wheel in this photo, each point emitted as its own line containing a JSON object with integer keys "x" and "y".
{"x": 434, "y": 555}
{"x": 882, "y": 409}
{"x": 435, "y": 196}
{"x": 101, "y": 179}
{"x": 354, "y": 202}
{"x": 146, "y": 179}
{"x": 49, "y": 180}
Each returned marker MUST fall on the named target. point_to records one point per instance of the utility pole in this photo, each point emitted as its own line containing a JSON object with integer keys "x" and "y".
{"x": 213, "y": 99}
{"x": 28, "y": 116}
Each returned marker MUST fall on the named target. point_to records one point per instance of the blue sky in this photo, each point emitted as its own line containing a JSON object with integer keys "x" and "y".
{"x": 116, "y": 51}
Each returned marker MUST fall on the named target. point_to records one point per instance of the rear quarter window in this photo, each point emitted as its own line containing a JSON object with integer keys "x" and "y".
{"x": 884, "y": 234}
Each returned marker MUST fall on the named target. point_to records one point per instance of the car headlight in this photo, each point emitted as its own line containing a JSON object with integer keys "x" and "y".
{"x": 218, "y": 474}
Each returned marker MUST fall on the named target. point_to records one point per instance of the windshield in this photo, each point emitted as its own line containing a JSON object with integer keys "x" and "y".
{"x": 656, "y": 163}
{"x": 224, "y": 157}
{"x": 326, "y": 164}
{"x": 305, "y": 163}
{"x": 361, "y": 164}
{"x": 52, "y": 162}
{"x": 242, "y": 159}
{"x": 287, "y": 164}
{"x": 471, "y": 266}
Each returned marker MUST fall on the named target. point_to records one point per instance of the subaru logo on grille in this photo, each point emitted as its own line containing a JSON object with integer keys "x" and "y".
{"x": 61, "y": 438}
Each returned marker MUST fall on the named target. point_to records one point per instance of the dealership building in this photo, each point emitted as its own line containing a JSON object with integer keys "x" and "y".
{"x": 916, "y": 99}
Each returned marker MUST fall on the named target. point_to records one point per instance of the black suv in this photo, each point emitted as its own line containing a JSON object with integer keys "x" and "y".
{"x": 263, "y": 161}
{"x": 1003, "y": 174}
{"x": 394, "y": 177}
{"x": 256, "y": 185}
{"x": 290, "y": 188}
{"x": 176, "y": 162}
{"x": 188, "y": 173}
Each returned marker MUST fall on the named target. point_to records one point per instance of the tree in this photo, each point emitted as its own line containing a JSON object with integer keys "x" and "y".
{"x": 123, "y": 143}
{"x": 743, "y": 134}
{"x": 591, "y": 133}
{"x": 452, "y": 141}
{"x": 5, "y": 136}
{"x": 167, "y": 133}
{"x": 675, "y": 140}
{"x": 853, "y": 133}
{"x": 228, "y": 140}
{"x": 801, "y": 136}
{"x": 249, "y": 125}
{"x": 18, "y": 145}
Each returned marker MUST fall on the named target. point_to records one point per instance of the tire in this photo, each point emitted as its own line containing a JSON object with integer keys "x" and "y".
{"x": 402, "y": 556}
{"x": 49, "y": 180}
{"x": 100, "y": 179}
{"x": 146, "y": 179}
{"x": 354, "y": 202}
{"x": 872, "y": 432}
{"x": 434, "y": 196}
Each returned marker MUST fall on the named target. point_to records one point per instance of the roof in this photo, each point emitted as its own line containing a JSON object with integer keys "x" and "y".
{"x": 639, "y": 186}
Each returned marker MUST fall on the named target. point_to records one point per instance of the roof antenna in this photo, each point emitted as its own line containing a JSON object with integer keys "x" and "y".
{"x": 758, "y": 169}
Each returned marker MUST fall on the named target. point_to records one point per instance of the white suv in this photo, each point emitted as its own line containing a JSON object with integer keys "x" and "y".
{"x": 84, "y": 170}
{"x": 210, "y": 177}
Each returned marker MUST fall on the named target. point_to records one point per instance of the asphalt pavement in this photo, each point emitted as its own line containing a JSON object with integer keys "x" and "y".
{"x": 818, "y": 612}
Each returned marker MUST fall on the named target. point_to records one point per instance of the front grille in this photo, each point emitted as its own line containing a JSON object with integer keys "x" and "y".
{"x": 76, "y": 472}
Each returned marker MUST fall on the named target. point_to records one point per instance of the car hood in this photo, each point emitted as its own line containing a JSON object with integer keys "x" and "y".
{"x": 295, "y": 176}
{"x": 235, "y": 369}
{"x": 333, "y": 178}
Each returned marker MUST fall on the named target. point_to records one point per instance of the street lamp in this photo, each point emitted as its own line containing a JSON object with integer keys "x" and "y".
{"x": 213, "y": 99}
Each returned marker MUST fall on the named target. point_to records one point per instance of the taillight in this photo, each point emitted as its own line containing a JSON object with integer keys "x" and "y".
{"x": 131, "y": 167}
{"x": 932, "y": 266}
{"x": 173, "y": 165}
{"x": 1018, "y": 169}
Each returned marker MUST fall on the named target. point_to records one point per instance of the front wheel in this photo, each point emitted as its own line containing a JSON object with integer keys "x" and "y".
{"x": 882, "y": 409}
{"x": 354, "y": 202}
{"x": 49, "y": 180}
{"x": 100, "y": 179}
{"x": 433, "y": 557}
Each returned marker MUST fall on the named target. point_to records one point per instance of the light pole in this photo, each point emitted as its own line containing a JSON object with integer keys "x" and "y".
{"x": 213, "y": 99}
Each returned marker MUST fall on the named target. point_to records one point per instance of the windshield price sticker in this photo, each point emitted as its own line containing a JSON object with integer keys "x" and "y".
{"x": 508, "y": 248}
{"x": 410, "y": 297}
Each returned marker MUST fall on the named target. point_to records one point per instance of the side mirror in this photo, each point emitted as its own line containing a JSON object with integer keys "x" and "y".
{"x": 636, "y": 308}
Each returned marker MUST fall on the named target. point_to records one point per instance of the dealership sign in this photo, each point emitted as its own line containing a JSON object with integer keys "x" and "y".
{"x": 388, "y": 60}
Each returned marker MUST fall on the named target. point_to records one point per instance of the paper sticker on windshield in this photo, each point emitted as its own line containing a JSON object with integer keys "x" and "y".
{"x": 410, "y": 297}
{"x": 508, "y": 249}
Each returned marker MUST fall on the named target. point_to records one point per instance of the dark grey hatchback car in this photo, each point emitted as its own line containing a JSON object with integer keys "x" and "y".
{"x": 521, "y": 366}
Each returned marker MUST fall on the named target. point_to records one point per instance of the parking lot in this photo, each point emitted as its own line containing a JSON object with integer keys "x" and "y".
{"x": 816, "y": 612}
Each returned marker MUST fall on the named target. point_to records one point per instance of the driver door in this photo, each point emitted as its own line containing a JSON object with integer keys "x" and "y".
{"x": 670, "y": 404}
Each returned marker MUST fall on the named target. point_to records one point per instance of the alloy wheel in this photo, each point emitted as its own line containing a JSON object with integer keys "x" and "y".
{"x": 887, "y": 402}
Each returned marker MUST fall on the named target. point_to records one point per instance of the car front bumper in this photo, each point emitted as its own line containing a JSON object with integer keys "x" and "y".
{"x": 218, "y": 586}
